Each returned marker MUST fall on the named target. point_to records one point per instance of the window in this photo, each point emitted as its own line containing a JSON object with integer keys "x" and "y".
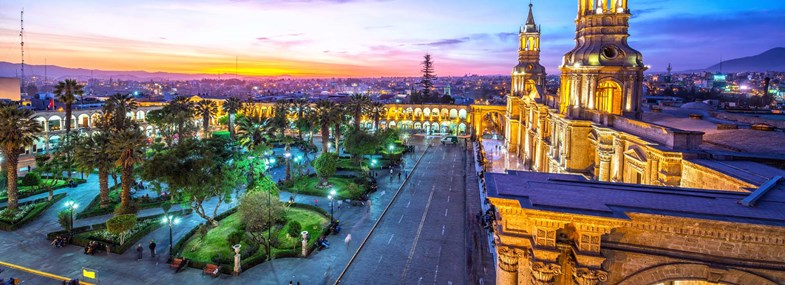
{"x": 608, "y": 97}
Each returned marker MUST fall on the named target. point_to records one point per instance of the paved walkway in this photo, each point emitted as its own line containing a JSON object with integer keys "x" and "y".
{"x": 27, "y": 246}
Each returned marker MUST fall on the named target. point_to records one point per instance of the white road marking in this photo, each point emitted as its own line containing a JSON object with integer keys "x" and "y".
{"x": 417, "y": 238}
{"x": 380, "y": 259}
{"x": 442, "y": 232}
{"x": 448, "y": 199}
{"x": 436, "y": 272}
{"x": 389, "y": 240}
{"x": 407, "y": 204}
{"x": 445, "y": 212}
{"x": 401, "y": 219}
{"x": 419, "y": 280}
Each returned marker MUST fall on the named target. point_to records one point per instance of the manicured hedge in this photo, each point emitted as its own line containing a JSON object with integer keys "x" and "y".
{"x": 43, "y": 204}
{"x": 25, "y": 194}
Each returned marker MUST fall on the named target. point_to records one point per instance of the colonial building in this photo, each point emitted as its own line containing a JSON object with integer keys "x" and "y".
{"x": 593, "y": 126}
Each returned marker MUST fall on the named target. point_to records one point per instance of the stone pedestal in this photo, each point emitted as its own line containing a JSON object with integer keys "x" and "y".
{"x": 236, "y": 248}
{"x": 305, "y": 242}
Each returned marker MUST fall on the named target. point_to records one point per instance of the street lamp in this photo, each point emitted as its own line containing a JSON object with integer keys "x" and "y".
{"x": 331, "y": 197}
{"x": 71, "y": 206}
{"x": 170, "y": 220}
{"x": 391, "y": 148}
{"x": 287, "y": 154}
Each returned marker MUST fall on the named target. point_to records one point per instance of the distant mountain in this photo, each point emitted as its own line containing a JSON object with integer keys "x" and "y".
{"x": 771, "y": 60}
{"x": 56, "y": 73}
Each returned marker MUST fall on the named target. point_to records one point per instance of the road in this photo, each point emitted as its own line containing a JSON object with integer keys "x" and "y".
{"x": 421, "y": 239}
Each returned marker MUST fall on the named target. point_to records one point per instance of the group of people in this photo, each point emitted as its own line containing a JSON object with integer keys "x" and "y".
{"x": 322, "y": 242}
{"x": 140, "y": 250}
{"x": 91, "y": 247}
{"x": 59, "y": 241}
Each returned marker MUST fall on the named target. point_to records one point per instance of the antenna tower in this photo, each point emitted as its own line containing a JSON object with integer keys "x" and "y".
{"x": 22, "y": 37}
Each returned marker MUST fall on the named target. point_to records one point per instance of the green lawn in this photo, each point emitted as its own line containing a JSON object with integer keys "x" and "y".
{"x": 308, "y": 186}
{"x": 215, "y": 242}
{"x": 27, "y": 191}
{"x": 94, "y": 208}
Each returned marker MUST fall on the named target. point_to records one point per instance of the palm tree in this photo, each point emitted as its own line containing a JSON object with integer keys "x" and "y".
{"x": 181, "y": 110}
{"x": 327, "y": 113}
{"x": 126, "y": 146}
{"x": 94, "y": 152}
{"x": 18, "y": 129}
{"x": 206, "y": 109}
{"x": 357, "y": 106}
{"x": 301, "y": 108}
{"x": 279, "y": 122}
{"x": 231, "y": 106}
{"x": 340, "y": 120}
{"x": 377, "y": 110}
{"x": 66, "y": 92}
{"x": 252, "y": 131}
{"x": 115, "y": 112}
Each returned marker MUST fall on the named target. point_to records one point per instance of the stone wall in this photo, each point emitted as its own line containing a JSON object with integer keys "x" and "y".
{"x": 670, "y": 137}
{"x": 694, "y": 175}
{"x": 749, "y": 119}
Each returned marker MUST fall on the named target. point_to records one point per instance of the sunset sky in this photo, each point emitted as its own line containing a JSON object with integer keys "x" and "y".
{"x": 363, "y": 38}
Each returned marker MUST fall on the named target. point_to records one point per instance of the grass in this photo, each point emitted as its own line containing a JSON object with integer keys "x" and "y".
{"x": 94, "y": 208}
{"x": 215, "y": 243}
{"x": 27, "y": 191}
{"x": 308, "y": 186}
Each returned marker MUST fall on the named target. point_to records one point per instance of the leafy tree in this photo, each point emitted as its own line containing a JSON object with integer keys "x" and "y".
{"x": 18, "y": 129}
{"x": 64, "y": 219}
{"x": 360, "y": 143}
{"x": 53, "y": 165}
{"x": 120, "y": 225}
{"x": 235, "y": 237}
{"x": 206, "y": 110}
{"x": 428, "y": 76}
{"x": 231, "y": 106}
{"x": 259, "y": 212}
{"x": 326, "y": 165}
{"x": 31, "y": 179}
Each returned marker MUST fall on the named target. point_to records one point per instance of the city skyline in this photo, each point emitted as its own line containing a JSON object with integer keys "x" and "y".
{"x": 359, "y": 38}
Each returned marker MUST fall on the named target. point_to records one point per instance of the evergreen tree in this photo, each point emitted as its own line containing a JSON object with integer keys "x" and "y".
{"x": 428, "y": 76}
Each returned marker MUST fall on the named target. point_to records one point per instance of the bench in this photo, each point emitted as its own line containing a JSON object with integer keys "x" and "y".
{"x": 211, "y": 269}
{"x": 178, "y": 264}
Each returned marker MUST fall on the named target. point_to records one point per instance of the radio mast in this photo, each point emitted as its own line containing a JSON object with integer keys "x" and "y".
{"x": 22, "y": 37}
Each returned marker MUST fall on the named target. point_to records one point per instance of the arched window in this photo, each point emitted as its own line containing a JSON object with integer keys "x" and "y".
{"x": 609, "y": 97}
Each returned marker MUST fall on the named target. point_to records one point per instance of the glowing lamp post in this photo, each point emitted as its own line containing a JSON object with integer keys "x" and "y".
{"x": 71, "y": 206}
{"x": 332, "y": 198}
{"x": 171, "y": 221}
{"x": 287, "y": 155}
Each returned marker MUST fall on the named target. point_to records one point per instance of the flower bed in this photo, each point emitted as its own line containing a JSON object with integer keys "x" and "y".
{"x": 27, "y": 212}
{"x": 94, "y": 208}
{"x": 346, "y": 187}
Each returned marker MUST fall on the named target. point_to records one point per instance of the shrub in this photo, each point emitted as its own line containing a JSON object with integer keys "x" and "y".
{"x": 326, "y": 165}
{"x": 31, "y": 179}
{"x": 294, "y": 229}
{"x": 64, "y": 219}
{"x": 120, "y": 210}
{"x": 120, "y": 225}
{"x": 235, "y": 237}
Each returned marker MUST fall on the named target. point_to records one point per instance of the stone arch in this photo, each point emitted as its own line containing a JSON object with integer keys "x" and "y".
{"x": 54, "y": 123}
{"x": 392, "y": 124}
{"x": 418, "y": 113}
{"x": 130, "y": 115}
{"x": 42, "y": 121}
{"x": 83, "y": 121}
{"x": 140, "y": 115}
{"x": 94, "y": 118}
{"x": 453, "y": 113}
{"x": 426, "y": 112}
{"x": 445, "y": 113}
{"x": 693, "y": 271}
{"x": 462, "y": 114}
{"x": 608, "y": 98}
{"x": 435, "y": 112}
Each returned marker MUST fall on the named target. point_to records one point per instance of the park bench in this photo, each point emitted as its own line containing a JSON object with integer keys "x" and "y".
{"x": 178, "y": 264}
{"x": 211, "y": 269}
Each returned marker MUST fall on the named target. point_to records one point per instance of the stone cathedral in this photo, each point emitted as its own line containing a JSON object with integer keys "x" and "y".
{"x": 613, "y": 199}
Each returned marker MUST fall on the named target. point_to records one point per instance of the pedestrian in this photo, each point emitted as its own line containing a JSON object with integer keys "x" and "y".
{"x": 316, "y": 202}
{"x": 340, "y": 202}
{"x": 399, "y": 175}
{"x": 152, "y": 248}
{"x": 348, "y": 239}
{"x": 139, "y": 251}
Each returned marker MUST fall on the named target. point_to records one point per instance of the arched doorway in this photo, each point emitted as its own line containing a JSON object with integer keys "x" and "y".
{"x": 609, "y": 97}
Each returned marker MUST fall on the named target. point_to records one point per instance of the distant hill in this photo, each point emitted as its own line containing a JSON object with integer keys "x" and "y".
{"x": 57, "y": 73}
{"x": 771, "y": 60}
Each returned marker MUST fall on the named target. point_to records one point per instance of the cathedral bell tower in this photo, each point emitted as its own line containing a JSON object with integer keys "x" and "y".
{"x": 529, "y": 74}
{"x": 602, "y": 76}
{"x": 528, "y": 80}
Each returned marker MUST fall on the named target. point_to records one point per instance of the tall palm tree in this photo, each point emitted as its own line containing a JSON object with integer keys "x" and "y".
{"x": 341, "y": 119}
{"x": 126, "y": 146}
{"x": 115, "y": 112}
{"x": 377, "y": 110}
{"x": 279, "y": 121}
{"x": 181, "y": 110}
{"x": 18, "y": 129}
{"x": 358, "y": 105}
{"x": 252, "y": 131}
{"x": 206, "y": 109}
{"x": 327, "y": 113}
{"x": 231, "y": 106}
{"x": 301, "y": 108}
{"x": 93, "y": 152}
{"x": 66, "y": 92}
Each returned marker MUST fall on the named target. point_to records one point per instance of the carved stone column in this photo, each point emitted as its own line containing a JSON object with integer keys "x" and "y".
{"x": 586, "y": 276}
{"x": 544, "y": 273}
{"x": 507, "y": 268}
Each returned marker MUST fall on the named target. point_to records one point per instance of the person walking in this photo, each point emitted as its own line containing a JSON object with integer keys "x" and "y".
{"x": 347, "y": 240}
{"x": 139, "y": 252}
{"x": 152, "y": 248}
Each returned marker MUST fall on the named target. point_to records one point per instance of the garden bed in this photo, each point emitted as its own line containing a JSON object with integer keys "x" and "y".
{"x": 27, "y": 212}
{"x": 27, "y": 191}
{"x": 214, "y": 248}
{"x": 346, "y": 187}
{"x": 94, "y": 208}
{"x": 97, "y": 232}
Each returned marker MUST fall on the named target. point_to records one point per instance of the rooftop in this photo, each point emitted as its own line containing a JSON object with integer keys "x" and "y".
{"x": 576, "y": 195}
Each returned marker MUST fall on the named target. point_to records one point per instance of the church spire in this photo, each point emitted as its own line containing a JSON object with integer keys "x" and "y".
{"x": 531, "y": 26}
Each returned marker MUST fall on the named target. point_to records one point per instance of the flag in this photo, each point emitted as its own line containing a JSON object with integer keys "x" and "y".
{"x": 88, "y": 274}
{"x": 51, "y": 105}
